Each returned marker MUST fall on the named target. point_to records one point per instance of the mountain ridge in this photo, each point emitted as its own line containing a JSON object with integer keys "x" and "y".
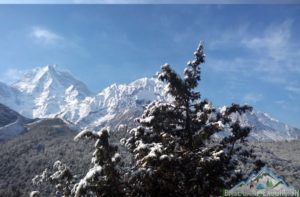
{"x": 46, "y": 92}
{"x": 11, "y": 123}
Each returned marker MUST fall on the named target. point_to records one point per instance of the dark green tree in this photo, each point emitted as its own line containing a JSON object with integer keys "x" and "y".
{"x": 175, "y": 151}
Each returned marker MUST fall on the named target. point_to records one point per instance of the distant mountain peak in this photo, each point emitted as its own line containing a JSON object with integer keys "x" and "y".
{"x": 51, "y": 66}
{"x": 49, "y": 92}
{"x": 264, "y": 127}
{"x": 46, "y": 76}
{"x": 46, "y": 91}
{"x": 113, "y": 102}
{"x": 30, "y": 80}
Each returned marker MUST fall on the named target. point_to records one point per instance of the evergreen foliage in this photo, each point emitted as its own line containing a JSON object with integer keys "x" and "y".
{"x": 61, "y": 177}
{"x": 175, "y": 152}
{"x": 101, "y": 180}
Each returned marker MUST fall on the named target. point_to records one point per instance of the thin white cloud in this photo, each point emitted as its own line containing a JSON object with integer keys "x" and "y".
{"x": 229, "y": 37}
{"x": 283, "y": 104}
{"x": 253, "y": 97}
{"x": 293, "y": 89}
{"x": 11, "y": 75}
{"x": 276, "y": 51}
{"x": 274, "y": 41}
{"x": 50, "y": 39}
{"x": 237, "y": 65}
{"x": 273, "y": 56}
{"x": 45, "y": 36}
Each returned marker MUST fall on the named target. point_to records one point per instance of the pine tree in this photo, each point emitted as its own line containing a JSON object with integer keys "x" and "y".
{"x": 60, "y": 176}
{"x": 102, "y": 180}
{"x": 173, "y": 146}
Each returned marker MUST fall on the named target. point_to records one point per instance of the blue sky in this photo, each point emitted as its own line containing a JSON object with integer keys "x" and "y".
{"x": 252, "y": 50}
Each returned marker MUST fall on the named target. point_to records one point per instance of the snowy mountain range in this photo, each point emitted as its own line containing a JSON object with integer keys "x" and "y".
{"x": 266, "y": 128}
{"x": 47, "y": 92}
{"x": 43, "y": 92}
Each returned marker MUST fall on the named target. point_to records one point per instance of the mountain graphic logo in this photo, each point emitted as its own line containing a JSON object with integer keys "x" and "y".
{"x": 263, "y": 183}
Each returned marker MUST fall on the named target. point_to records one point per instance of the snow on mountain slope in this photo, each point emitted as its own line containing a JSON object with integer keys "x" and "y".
{"x": 50, "y": 91}
{"x": 266, "y": 128}
{"x": 110, "y": 105}
{"x": 10, "y": 96}
{"x": 11, "y": 123}
{"x": 119, "y": 104}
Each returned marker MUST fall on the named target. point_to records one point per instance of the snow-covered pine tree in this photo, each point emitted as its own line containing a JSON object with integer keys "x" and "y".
{"x": 60, "y": 176}
{"x": 102, "y": 180}
{"x": 175, "y": 152}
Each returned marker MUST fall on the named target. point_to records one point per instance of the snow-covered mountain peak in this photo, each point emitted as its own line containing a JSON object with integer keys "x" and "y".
{"x": 115, "y": 101}
{"x": 30, "y": 80}
{"x": 48, "y": 91}
{"x": 264, "y": 117}
{"x": 144, "y": 88}
{"x": 264, "y": 127}
{"x": 144, "y": 82}
{"x": 48, "y": 78}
